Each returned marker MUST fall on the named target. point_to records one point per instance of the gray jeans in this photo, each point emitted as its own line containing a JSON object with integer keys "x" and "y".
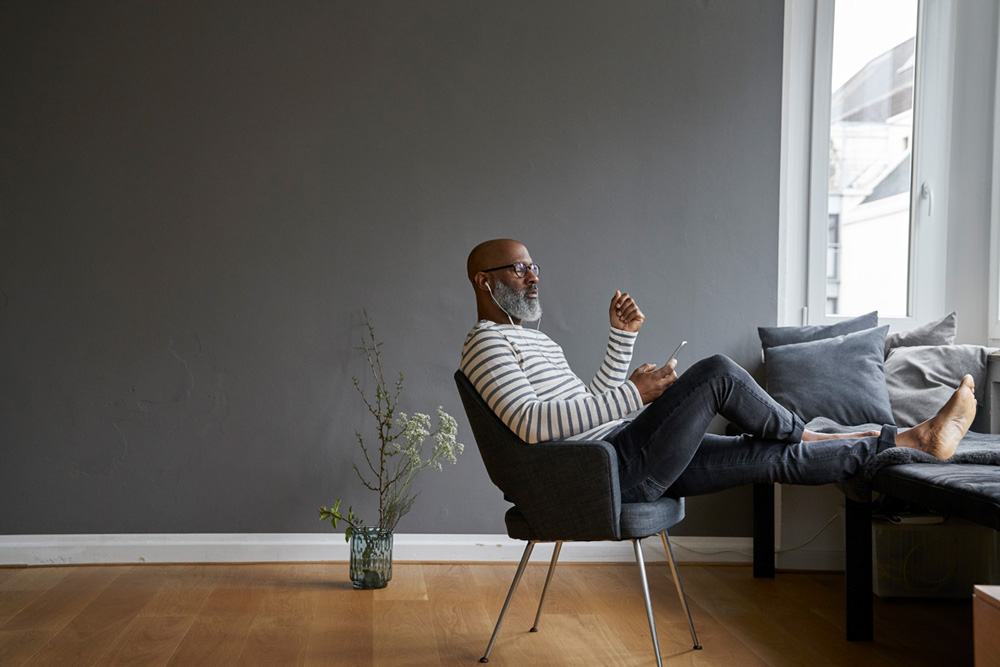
{"x": 666, "y": 450}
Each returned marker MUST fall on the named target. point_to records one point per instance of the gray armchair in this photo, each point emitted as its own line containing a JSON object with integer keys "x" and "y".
{"x": 563, "y": 491}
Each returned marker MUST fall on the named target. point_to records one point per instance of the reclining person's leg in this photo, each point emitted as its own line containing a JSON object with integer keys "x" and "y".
{"x": 659, "y": 444}
{"x": 664, "y": 439}
{"x": 724, "y": 462}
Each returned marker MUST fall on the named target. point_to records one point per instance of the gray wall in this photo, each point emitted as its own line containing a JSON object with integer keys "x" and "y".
{"x": 199, "y": 199}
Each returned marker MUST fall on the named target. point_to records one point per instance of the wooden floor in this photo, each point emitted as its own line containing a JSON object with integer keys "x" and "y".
{"x": 443, "y": 614}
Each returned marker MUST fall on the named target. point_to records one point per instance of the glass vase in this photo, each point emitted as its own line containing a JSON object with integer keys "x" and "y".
{"x": 371, "y": 558}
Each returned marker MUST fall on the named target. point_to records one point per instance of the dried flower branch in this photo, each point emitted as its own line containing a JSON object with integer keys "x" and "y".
{"x": 401, "y": 448}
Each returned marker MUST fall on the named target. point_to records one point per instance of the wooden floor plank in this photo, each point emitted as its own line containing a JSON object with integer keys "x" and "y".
{"x": 341, "y": 632}
{"x": 12, "y": 602}
{"x": 515, "y": 645}
{"x": 149, "y": 641}
{"x": 290, "y": 602}
{"x": 17, "y": 646}
{"x": 282, "y": 627}
{"x": 613, "y": 592}
{"x": 443, "y": 614}
{"x": 217, "y": 641}
{"x": 93, "y": 631}
{"x": 462, "y": 624}
{"x": 798, "y": 615}
{"x": 57, "y": 606}
{"x": 267, "y": 646}
{"x": 231, "y": 602}
{"x": 407, "y": 584}
{"x": 7, "y": 572}
{"x": 898, "y": 621}
{"x": 220, "y": 630}
{"x": 582, "y": 638}
{"x": 403, "y": 634}
{"x": 181, "y": 589}
{"x": 760, "y": 627}
{"x": 31, "y": 578}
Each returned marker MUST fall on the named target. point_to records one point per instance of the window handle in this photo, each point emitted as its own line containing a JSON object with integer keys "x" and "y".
{"x": 928, "y": 194}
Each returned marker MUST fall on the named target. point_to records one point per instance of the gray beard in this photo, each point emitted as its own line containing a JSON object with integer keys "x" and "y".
{"x": 516, "y": 304}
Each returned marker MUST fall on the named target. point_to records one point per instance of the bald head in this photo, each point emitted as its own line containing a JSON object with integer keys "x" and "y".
{"x": 497, "y": 252}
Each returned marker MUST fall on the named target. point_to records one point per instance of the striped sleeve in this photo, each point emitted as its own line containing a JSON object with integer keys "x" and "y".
{"x": 524, "y": 378}
{"x": 617, "y": 357}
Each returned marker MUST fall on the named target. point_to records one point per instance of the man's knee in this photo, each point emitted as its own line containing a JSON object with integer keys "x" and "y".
{"x": 718, "y": 364}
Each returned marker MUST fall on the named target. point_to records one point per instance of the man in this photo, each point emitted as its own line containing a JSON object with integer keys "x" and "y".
{"x": 524, "y": 377}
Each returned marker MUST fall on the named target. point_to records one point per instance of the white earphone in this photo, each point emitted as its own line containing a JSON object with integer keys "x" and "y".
{"x": 490, "y": 290}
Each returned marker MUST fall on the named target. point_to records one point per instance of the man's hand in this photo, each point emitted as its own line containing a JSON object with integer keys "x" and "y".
{"x": 652, "y": 381}
{"x": 625, "y": 314}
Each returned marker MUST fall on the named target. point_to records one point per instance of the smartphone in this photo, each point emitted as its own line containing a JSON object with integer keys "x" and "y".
{"x": 674, "y": 355}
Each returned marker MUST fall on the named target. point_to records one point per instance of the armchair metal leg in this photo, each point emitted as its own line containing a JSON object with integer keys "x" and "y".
{"x": 680, "y": 587}
{"x": 545, "y": 589}
{"x": 510, "y": 596}
{"x": 649, "y": 605}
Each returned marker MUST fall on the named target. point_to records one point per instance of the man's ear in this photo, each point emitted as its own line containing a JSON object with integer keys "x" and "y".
{"x": 482, "y": 282}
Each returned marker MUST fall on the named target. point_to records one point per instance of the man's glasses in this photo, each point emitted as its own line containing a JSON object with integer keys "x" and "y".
{"x": 520, "y": 268}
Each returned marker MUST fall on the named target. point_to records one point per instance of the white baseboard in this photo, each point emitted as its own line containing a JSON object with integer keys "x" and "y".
{"x": 309, "y": 547}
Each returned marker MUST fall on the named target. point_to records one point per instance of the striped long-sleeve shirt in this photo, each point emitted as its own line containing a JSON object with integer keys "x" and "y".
{"x": 523, "y": 376}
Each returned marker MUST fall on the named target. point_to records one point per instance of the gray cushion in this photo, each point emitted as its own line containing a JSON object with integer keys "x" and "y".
{"x": 774, "y": 336}
{"x": 643, "y": 519}
{"x": 938, "y": 332}
{"x": 840, "y": 378}
{"x": 922, "y": 378}
{"x": 638, "y": 520}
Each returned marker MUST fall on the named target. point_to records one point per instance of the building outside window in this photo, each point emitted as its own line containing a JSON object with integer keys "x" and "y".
{"x": 870, "y": 166}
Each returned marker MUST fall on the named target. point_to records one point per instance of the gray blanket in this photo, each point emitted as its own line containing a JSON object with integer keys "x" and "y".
{"x": 975, "y": 448}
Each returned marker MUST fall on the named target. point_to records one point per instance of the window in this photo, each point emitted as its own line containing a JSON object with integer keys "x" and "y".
{"x": 866, "y": 111}
{"x": 868, "y": 184}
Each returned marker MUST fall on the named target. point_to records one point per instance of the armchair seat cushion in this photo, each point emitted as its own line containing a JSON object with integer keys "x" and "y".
{"x": 638, "y": 520}
{"x": 643, "y": 519}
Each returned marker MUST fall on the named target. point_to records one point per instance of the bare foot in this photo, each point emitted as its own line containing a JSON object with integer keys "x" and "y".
{"x": 812, "y": 436}
{"x": 941, "y": 434}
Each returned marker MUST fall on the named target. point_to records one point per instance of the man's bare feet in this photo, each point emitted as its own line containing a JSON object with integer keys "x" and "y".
{"x": 813, "y": 436}
{"x": 940, "y": 435}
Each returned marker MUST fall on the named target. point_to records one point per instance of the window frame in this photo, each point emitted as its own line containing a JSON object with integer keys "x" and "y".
{"x": 994, "y": 289}
{"x": 805, "y": 163}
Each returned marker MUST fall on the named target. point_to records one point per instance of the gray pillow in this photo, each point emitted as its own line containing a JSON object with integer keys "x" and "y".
{"x": 839, "y": 378}
{"x": 938, "y": 332}
{"x": 774, "y": 336}
{"x": 922, "y": 378}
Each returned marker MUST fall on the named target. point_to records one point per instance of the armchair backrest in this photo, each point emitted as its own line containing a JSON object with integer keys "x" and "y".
{"x": 566, "y": 490}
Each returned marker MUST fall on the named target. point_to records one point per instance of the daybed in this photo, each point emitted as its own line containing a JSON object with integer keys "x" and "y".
{"x": 851, "y": 374}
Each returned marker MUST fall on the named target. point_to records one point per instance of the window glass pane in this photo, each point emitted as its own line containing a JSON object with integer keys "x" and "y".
{"x": 871, "y": 130}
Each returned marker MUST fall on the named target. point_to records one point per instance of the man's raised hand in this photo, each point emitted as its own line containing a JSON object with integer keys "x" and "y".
{"x": 652, "y": 381}
{"x": 625, "y": 314}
